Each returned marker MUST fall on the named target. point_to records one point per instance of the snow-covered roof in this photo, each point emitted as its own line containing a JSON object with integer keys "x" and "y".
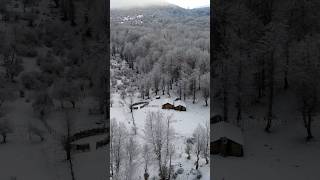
{"x": 179, "y": 103}
{"x": 165, "y": 101}
{"x": 227, "y": 130}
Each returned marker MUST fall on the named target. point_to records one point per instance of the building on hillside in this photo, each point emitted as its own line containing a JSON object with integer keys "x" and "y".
{"x": 180, "y": 106}
{"x": 226, "y": 139}
{"x": 167, "y": 104}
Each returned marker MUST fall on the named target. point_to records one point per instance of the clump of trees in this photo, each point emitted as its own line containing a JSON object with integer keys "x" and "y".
{"x": 159, "y": 133}
{"x": 124, "y": 150}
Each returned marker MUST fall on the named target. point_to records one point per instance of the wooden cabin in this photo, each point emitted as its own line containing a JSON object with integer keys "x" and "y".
{"x": 226, "y": 139}
{"x": 167, "y": 104}
{"x": 180, "y": 106}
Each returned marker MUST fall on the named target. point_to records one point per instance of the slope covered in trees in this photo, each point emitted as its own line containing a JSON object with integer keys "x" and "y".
{"x": 53, "y": 66}
{"x": 159, "y": 54}
{"x": 263, "y": 49}
{"x": 265, "y": 69}
{"x": 163, "y": 51}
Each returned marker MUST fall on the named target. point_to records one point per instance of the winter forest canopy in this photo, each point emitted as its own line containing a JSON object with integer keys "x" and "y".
{"x": 165, "y": 50}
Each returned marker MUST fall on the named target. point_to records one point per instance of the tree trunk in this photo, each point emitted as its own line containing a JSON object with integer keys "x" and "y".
{"x": 57, "y": 3}
{"x": 239, "y": 113}
{"x": 309, "y": 137}
{"x": 61, "y": 103}
{"x": 286, "y": 83}
{"x": 160, "y": 166}
{"x": 71, "y": 169}
{"x": 197, "y": 162}
{"x": 239, "y": 87}
{"x": 194, "y": 91}
{"x": 225, "y": 104}
{"x": 4, "y": 138}
{"x": 304, "y": 115}
{"x": 73, "y": 104}
{"x": 271, "y": 84}
{"x": 180, "y": 92}
{"x": 146, "y": 176}
{"x": 199, "y": 82}
{"x": 72, "y": 13}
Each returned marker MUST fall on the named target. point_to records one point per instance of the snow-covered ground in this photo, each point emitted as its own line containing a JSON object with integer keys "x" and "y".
{"x": 281, "y": 154}
{"x": 184, "y": 124}
{"x": 30, "y": 159}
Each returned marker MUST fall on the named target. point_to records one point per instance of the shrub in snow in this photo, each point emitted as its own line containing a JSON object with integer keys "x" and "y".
{"x": 30, "y": 80}
{"x": 180, "y": 170}
{"x": 188, "y": 150}
{"x": 26, "y": 51}
{"x": 175, "y": 175}
{"x": 43, "y": 104}
{"x": 36, "y": 131}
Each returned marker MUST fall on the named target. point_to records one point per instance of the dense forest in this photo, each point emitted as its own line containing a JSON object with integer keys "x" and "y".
{"x": 263, "y": 50}
{"x": 53, "y": 61}
{"x": 165, "y": 51}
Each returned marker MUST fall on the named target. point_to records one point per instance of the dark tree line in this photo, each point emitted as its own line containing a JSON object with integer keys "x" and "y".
{"x": 262, "y": 49}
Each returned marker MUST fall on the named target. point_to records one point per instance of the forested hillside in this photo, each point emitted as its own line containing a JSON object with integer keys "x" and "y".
{"x": 264, "y": 49}
{"x": 265, "y": 67}
{"x": 53, "y": 85}
{"x": 164, "y": 52}
{"x": 160, "y": 79}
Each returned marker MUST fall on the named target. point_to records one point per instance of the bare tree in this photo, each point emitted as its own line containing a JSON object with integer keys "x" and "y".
{"x": 188, "y": 149}
{"x": 132, "y": 151}
{"x": 199, "y": 136}
{"x": 206, "y": 143}
{"x": 36, "y": 131}
{"x": 147, "y": 158}
{"x": 66, "y": 141}
{"x": 158, "y": 133}
{"x": 118, "y": 135}
{"x": 43, "y": 104}
{"x": 5, "y": 129}
{"x": 206, "y": 88}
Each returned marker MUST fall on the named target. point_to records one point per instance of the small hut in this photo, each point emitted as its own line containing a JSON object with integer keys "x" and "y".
{"x": 180, "y": 106}
{"x": 226, "y": 139}
{"x": 167, "y": 104}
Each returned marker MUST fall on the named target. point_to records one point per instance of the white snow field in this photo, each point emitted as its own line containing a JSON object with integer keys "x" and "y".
{"x": 31, "y": 159}
{"x": 184, "y": 123}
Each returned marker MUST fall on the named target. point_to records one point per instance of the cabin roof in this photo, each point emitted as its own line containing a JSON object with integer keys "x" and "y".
{"x": 179, "y": 103}
{"x": 227, "y": 130}
{"x": 167, "y": 101}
